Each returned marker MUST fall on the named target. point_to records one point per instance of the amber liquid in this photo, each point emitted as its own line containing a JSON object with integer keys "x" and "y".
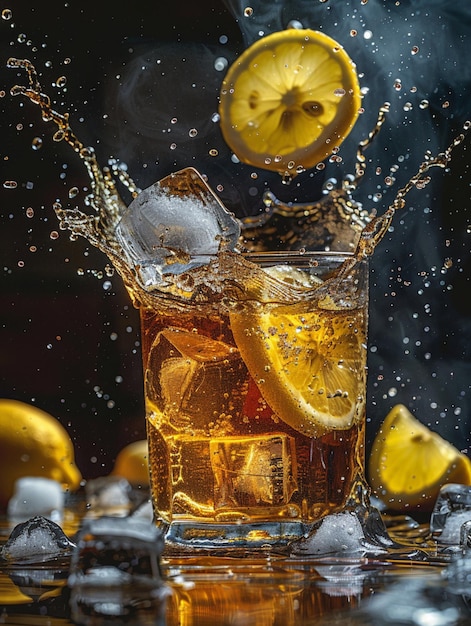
{"x": 219, "y": 455}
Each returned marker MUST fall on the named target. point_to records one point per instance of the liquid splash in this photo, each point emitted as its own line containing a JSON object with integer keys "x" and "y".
{"x": 108, "y": 206}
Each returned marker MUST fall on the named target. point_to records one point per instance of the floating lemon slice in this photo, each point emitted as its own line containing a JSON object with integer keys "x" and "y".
{"x": 309, "y": 367}
{"x": 289, "y": 100}
{"x": 409, "y": 463}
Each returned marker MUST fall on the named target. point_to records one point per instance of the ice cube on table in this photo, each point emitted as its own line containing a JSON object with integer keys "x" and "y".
{"x": 115, "y": 573}
{"x": 334, "y": 534}
{"x": 36, "y": 540}
{"x": 34, "y": 495}
{"x": 175, "y": 225}
{"x": 131, "y": 545}
{"x": 452, "y": 509}
{"x": 108, "y": 495}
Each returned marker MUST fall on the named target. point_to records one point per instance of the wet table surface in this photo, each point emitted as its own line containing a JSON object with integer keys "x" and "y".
{"x": 269, "y": 590}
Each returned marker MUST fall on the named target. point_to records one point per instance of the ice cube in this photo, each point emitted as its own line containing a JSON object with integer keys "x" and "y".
{"x": 108, "y": 494}
{"x": 358, "y": 530}
{"x": 452, "y": 509}
{"x": 175, "y": 225}
{"x": 115, "y": 573}
{"x": 129, "y": 545}
{"x": 36, "y": 540}
{"x": 334, "y": 534}
{"x": 34, "y": 495}
{"x": 188, "y": 375}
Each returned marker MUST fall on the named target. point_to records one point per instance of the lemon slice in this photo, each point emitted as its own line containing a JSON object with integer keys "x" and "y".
{"x": 409, "y": 463}
{"x": 309, "y": 366}
{"x": 289, "y": 100}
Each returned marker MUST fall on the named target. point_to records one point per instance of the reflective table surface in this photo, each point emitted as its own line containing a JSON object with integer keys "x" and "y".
{"x": 266, "y": 590}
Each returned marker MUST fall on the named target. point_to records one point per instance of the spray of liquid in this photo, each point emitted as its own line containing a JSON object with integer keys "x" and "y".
{"x": 99, "y": 227}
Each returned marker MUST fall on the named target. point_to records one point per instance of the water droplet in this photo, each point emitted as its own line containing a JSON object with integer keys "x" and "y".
{"x": 407, "y": 106}
{"x": 296, "y": 24}
{"x": 445, "y": 105}
{"x": 21, "y": 38}
{"x": 192, "y": 132}
{"x": 215, "y": 117}
{"x": 174, "y": 120}
{"x": 10, "y": 184}
{"x": 37, "y": 143}
{"x": 423, "y": 104}
{"x": 398, "y": 84}
{"x": 414, "y": 50}
{"x": 220, "y": 64}
{"x": 61, "y": 81}
{"x": 173, "y": 146}
{"x": 248, "y": 12}
{"x": 7, "y": 14}
{"x": 213, "y": 152}
{"x": 353, "y": 33}
{"x": 73, "y": 192}
{"x": 30, "y": 212}
{"x": 54, "y": 234}
{"x": 368, "y": 34}
{"x": 339, "y": 92}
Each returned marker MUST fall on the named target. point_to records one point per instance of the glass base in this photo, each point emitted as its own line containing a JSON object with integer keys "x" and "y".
{"x": 186, "y": 537}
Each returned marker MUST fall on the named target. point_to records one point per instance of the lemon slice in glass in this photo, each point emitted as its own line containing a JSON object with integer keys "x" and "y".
{"x": 309, "y": 366}
{"x": 409, "y": 463}
{"x": 289, "y": 100}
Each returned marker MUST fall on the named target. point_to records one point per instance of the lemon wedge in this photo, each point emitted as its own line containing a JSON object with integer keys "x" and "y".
{"x": 289, "y": 100}
{"x": 409, "y": 463}
{"x": 309, "y": 366}
{"x": 33, "y": 443}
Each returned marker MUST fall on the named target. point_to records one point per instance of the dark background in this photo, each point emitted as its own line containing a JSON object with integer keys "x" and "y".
{"x": 69, "y": 336}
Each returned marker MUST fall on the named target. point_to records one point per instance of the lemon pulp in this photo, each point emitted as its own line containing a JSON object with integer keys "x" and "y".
{"x": 309, "y": 366}
{"x": 289, "y": 100}
{"x": 409, "y": 463}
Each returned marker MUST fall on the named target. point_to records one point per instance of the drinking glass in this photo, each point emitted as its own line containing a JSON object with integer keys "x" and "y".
{"x": 255, "y": 399}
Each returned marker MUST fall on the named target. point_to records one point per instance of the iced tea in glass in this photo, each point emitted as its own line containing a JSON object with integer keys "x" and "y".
{"x": 255, "y": 398}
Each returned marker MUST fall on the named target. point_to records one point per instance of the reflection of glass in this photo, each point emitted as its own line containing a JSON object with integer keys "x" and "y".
{"x": 235, "y": 460}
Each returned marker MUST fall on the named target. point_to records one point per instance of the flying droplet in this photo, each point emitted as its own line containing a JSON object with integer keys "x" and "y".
{"x": 61, "y": 81}
{"x": 7, "y": 14}
{"x": 37, "y": 143}
{"x": 220, "y": 64}
{"x": 248, "y": 12}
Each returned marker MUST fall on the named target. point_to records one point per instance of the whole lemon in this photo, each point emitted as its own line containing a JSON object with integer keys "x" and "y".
{"x": 132, "y": 463}
{"x": 33, "y": 443}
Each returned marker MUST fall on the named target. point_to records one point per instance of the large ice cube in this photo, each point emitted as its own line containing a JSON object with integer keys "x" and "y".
{"x": 212, "y": 475}
{"x": 188, "y": 376}
{"x": 452, "y": 509}
{"x": 175, "y": 225}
